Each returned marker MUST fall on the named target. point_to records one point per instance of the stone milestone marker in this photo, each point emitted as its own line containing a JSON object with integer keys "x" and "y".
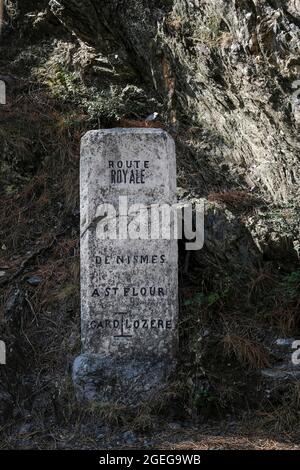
{"x": 128, "y": 282}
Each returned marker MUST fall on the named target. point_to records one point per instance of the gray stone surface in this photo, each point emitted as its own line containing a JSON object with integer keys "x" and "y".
{"x": 6, "y": 405}
{"x": 128, "y": 287}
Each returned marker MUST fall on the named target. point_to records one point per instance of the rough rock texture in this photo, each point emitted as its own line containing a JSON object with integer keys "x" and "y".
{"x": 230, "y": 65}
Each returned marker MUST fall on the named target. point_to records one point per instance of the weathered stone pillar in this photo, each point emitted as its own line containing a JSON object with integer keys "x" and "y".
{"x": 128, "y": 270}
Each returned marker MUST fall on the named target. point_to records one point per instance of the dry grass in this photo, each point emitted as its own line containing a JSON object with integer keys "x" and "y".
{"x": 140, "y": 123}
{"x": 248, "y": 352}
{"x": 40, "y": 210}
{"x": 284, "y": 318}
{"x": 40, "y": 206}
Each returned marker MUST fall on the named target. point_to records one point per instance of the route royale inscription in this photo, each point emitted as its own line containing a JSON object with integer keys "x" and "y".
{"x": 128, "y": 286}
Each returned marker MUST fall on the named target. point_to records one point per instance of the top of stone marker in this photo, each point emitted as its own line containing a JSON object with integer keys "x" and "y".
{"x": 89, "y": 136}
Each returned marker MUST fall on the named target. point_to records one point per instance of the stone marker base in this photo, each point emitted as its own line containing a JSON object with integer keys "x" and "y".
{"x": 130, "y": 383}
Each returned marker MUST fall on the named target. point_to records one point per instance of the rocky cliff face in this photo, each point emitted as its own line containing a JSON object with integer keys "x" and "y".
{"x": 229, "y": 66}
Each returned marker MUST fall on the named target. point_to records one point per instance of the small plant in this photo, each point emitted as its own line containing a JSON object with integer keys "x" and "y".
{"x": 284, "y": 318}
